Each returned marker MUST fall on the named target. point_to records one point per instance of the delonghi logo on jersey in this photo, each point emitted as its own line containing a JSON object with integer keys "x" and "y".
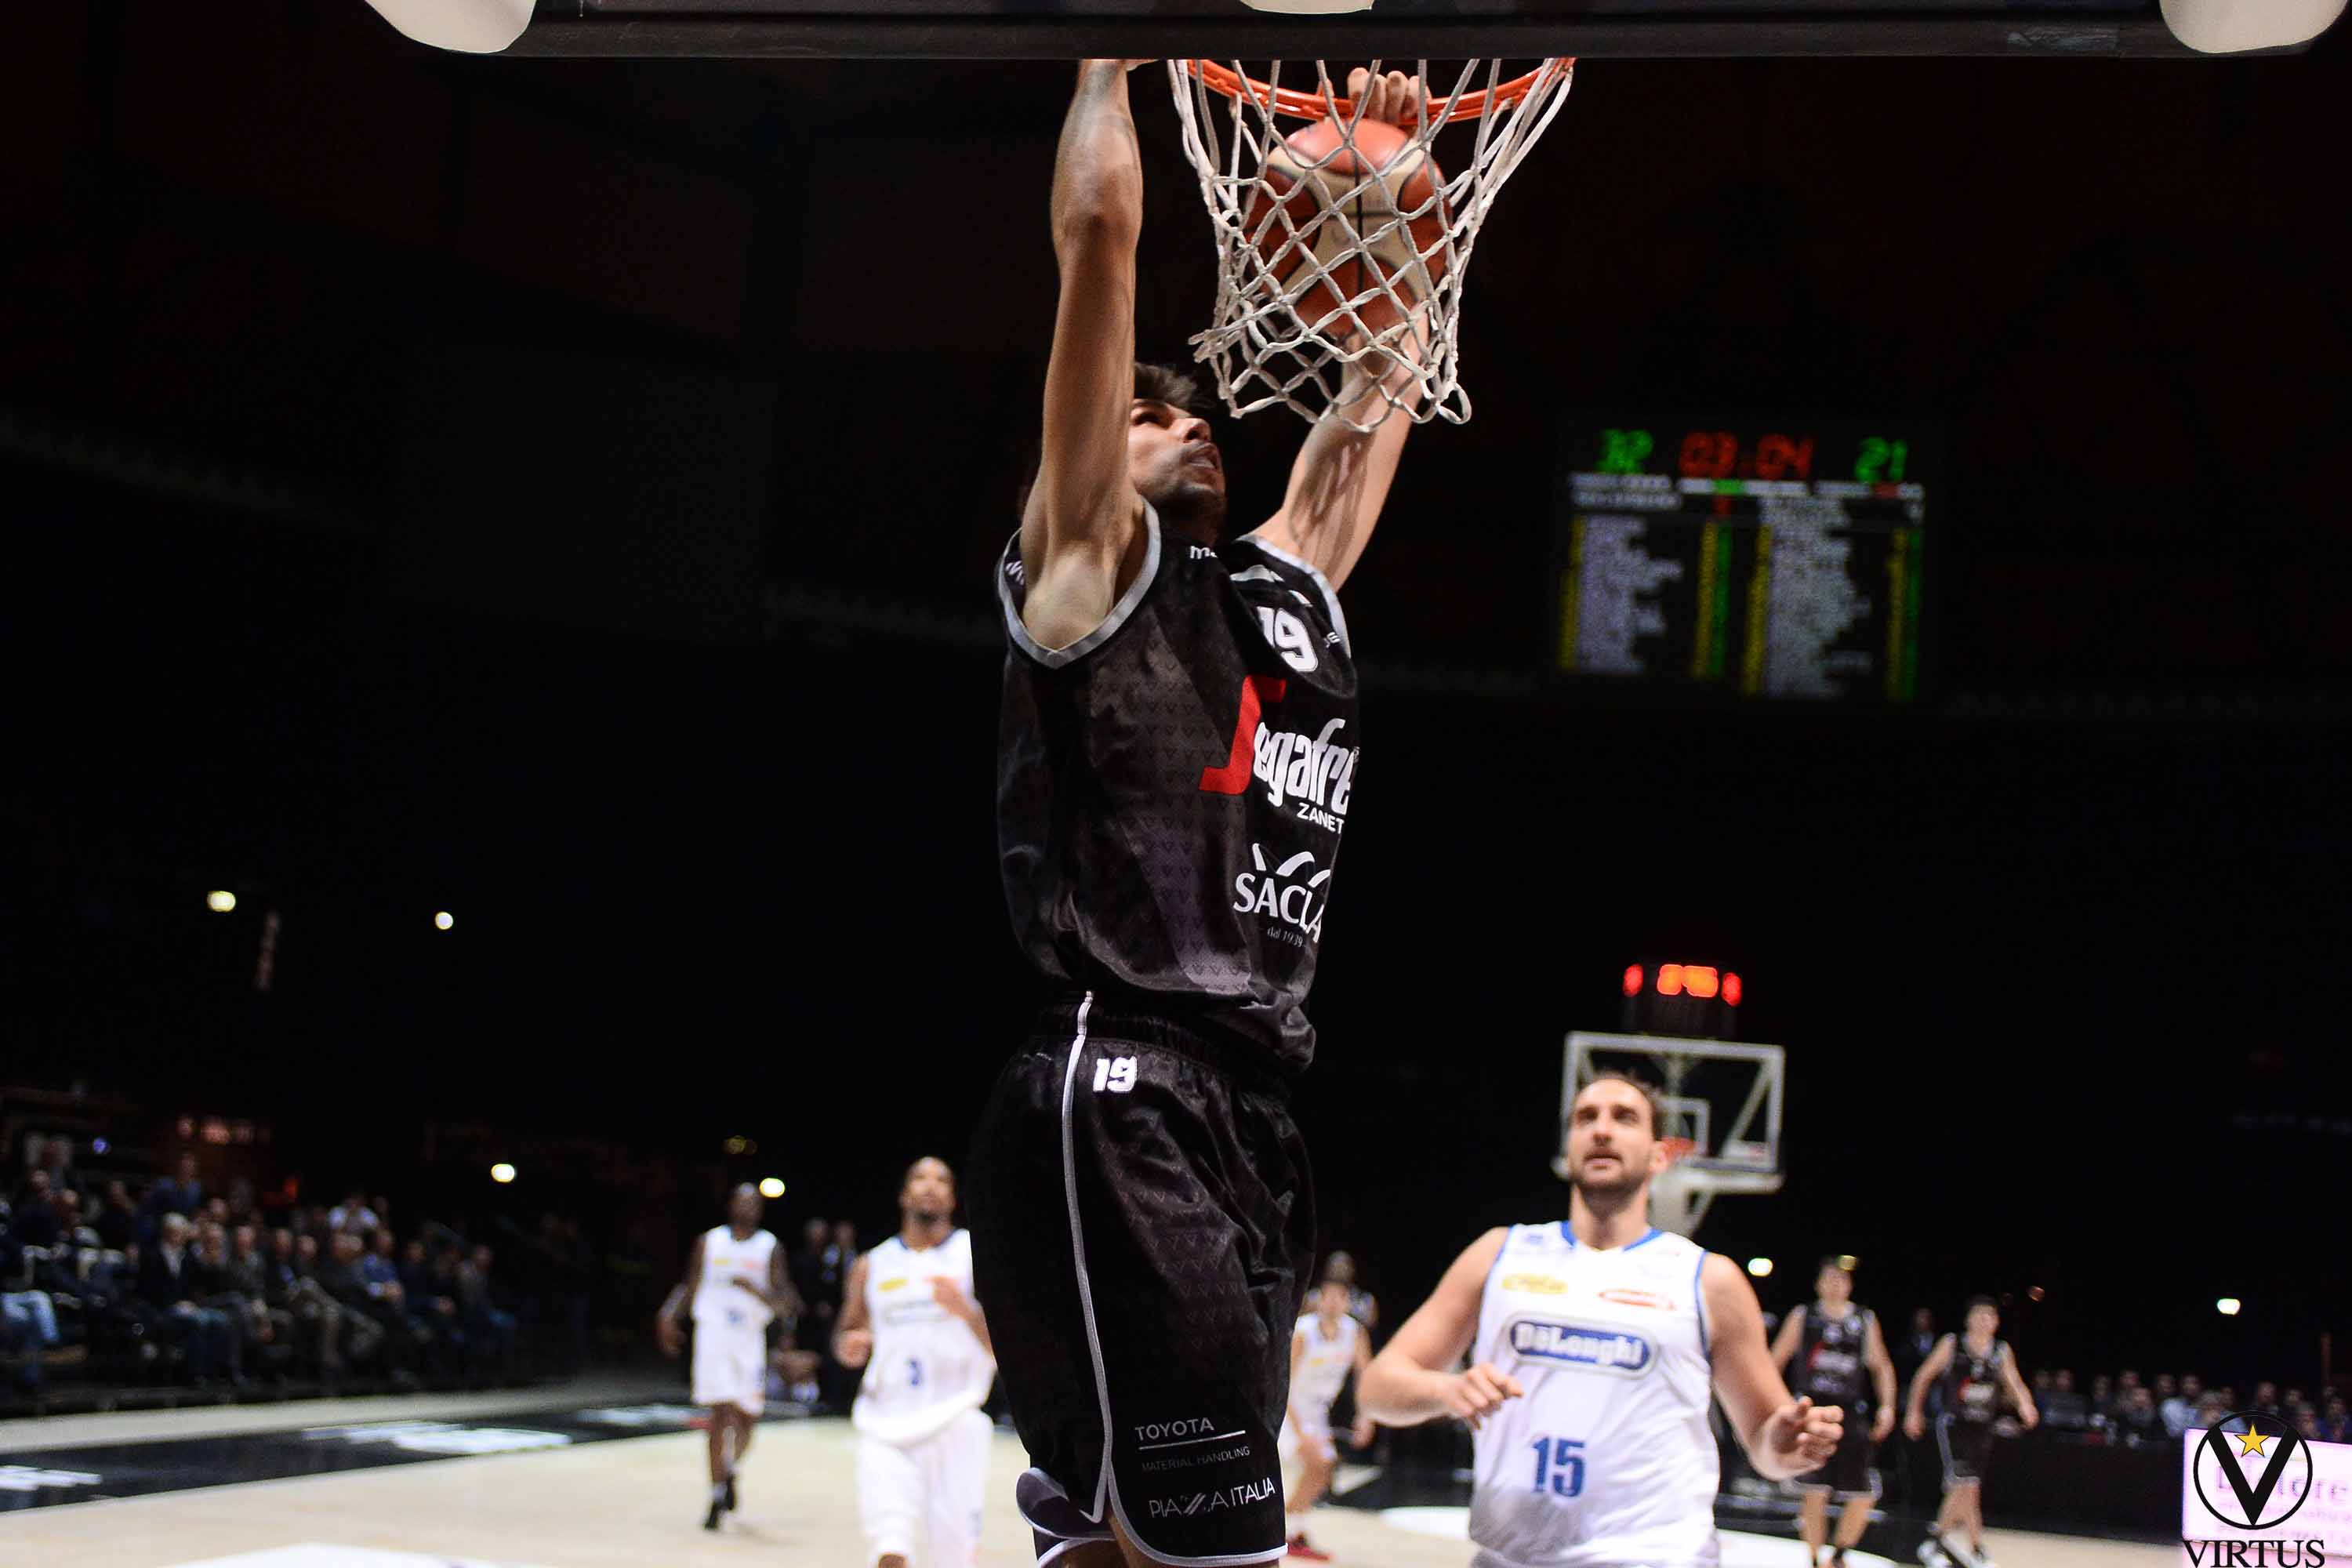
{"x": 1188, "y": 1505}
{"x": 1312, "y": 775}
{"x": 1601, "y": 1350}
{"x": 1287, "y": 893}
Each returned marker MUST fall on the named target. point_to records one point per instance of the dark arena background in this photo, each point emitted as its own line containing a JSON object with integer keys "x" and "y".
{"x": 503, "y": 673}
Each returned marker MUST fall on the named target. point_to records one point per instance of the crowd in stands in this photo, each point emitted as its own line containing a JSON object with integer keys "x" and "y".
{"x": 2125, "y": 1410}
{"x": 173, "y": 1282}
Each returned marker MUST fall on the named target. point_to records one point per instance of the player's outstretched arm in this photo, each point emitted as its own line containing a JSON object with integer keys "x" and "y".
{"x": 1341, "y": 479}
{"x": 852, "y": 1334}
{"x": 1784, "y": 1437}
{"x": 666, "y": 1329}
{"x": 1081, "y": 531}
{"x": 1914, "y": 1413}
{"x": 1412, "y": 1380}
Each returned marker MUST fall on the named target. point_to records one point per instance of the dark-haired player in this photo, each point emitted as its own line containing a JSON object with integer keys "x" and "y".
{"x": 1177, "y": 763}
{"x": 1836, "y": 1345}
{"x": 1975, "y": 1368}
{"x": 1596, "y": 1345}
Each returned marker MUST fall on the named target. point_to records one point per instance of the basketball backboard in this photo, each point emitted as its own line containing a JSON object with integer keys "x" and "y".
{"x": 1388, "y": 29}
{"x": 1722, "y": 1097}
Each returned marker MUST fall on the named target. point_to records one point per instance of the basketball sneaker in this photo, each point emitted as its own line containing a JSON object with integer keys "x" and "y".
{"x": 1300, "y": 1549}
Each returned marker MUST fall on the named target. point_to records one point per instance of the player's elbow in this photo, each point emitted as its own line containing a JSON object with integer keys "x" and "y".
{"x": 1385, "y": 1394}
{"x": 1097, "y": 217}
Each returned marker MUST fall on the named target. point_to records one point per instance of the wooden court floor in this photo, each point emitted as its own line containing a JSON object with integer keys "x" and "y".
{"x": 638, "y": 1502}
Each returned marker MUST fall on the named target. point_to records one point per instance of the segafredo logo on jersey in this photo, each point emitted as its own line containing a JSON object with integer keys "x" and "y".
{"x": 1600, "y": 1349}
{"x": 1293, "y": 893}
{"x": 1311, "y": 776}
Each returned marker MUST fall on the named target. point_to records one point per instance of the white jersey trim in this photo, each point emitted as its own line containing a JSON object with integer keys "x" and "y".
{"x": 1056, "y": 657}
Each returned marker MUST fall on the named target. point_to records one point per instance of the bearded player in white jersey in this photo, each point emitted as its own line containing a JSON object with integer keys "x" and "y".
{"x": 735, "y": 1285}
{"x": 1326, "y": 1346}
{"x": 1595, "y": 1345}
{"x": 908, "y": 1317}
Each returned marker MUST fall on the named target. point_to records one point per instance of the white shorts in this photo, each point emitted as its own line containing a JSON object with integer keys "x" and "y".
{"x": 922, "y": 1500}
{"x": 731, "y": 1366}
{"x": 1315, "y": 1435}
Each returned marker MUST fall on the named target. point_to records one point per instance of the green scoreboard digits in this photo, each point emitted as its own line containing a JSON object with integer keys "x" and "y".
{"x": 1783, "y": 560}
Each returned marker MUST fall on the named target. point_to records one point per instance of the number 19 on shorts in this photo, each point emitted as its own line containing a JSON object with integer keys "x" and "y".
{"x": 1560, "y": 1465}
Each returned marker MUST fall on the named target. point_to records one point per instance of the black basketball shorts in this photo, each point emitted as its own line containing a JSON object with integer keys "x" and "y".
{"x": 1847, "y": 1474}
{"x": 1965, "y": 1446}
{"x": 1142, "y": 1222}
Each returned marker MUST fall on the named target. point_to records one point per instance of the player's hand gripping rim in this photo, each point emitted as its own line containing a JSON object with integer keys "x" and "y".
{"x": 1391, "y": 96}
{"x": 1471, "y": 1397}
{"x": 1807, "y": 1430}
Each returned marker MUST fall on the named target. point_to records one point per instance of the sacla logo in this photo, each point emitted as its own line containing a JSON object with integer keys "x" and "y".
{"x": 1285, "y": 893}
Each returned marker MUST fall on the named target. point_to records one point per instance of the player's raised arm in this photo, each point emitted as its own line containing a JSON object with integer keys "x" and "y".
{"x": 1914, "y": 1413}
{"x": 1081, "y": 528}
{"x": 1412, "y": 1379}
{"x": 1340, "y": 480}
{"x": 1783, "y": 1437}
{"x": 666, "y": 1330}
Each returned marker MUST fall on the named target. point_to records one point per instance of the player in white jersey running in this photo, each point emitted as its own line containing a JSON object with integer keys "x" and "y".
{"x": 908, "y": 1317}
{"x": 1325, "y": 1348}
{"x": 735, "y": 1285}
{"x": 1596, "y": 1343}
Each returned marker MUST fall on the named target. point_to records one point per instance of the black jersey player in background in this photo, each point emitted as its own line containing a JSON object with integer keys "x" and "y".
{"x": 1177, "y": 764}
{"x": 1835, "y": 1345}
{"x": 1974, "y": 1369}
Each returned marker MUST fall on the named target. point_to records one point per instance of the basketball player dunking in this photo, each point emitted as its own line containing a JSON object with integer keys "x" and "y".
{"x": 735, "y": 1285}
{"x": 1835, "y": 1344}
{"x": 1326, "y": 1346}
{"x": 1178, "y": 758}
{"x": 909, "y": 1318}
{"x": 1974, "y": 1369}
{"x": 1596, "y": 1344}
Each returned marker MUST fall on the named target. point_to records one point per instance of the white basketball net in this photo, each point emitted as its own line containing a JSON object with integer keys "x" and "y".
{"x": 1397, "y": 330}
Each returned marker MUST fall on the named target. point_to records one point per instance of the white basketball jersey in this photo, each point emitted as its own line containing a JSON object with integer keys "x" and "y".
{"x": 927, "y": 1366}
{"x": 1324, "y": 1365}
{"x": 1607, "y": 1460}
{"x": 718, "y": 1302}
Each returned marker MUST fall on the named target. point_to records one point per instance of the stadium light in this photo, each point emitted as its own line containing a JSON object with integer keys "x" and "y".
{"x": 2227, "y": 1306}
{"x": 2034, "y": 1292}
{"x": 1632, "y": 980}
{"x": 1761, "y": 1268}
{"x": 220, "y": 900}
{"x": 771, "y": 1187}
{"x": 443, "y": 919}
{"x": 502, "y": 1172}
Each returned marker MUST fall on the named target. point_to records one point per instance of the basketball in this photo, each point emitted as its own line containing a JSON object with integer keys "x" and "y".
{"x": 1392, "y": 197}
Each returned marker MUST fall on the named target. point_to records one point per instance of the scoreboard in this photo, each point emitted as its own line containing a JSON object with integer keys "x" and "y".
{"x": 1756, "y": 560}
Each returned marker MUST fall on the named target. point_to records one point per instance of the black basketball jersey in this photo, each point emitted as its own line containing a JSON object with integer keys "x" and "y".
{"x": 1830, "y": 1364}
{"x": 1171, "y": 788}
{"x": 1972, "y": 1382}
